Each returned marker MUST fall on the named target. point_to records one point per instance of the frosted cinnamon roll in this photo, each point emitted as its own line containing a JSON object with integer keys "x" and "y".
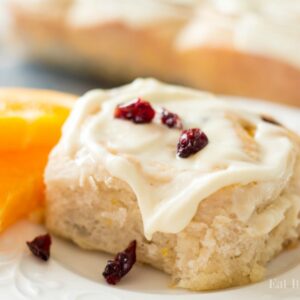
{"x": 210, "y": 192}
{"x": 240, "y": 47}
{"x": 112, "y": 40}
{"x": 244, "y": 48}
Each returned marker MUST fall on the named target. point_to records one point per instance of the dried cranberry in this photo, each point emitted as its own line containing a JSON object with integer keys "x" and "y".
{"x": 40, "y": 246}
{"x": 139, "y": 112}
{"x": 270, "y": 120}
{"x": 121, "y": 265}
{"x": 170, "y": 119}
{"x": 190, "y": 142}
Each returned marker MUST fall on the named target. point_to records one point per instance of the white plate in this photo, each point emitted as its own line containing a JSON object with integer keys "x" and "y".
{"x": 75, "y": 274}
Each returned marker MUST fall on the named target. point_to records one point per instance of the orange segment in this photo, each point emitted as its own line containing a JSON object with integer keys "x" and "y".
{"x": 30, "y": 125}
{"x": 21, "y": 185}
{"x": 31, "y": 118}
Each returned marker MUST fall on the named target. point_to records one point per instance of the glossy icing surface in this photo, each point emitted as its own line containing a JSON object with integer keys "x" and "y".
{"x": 168, "y": 188}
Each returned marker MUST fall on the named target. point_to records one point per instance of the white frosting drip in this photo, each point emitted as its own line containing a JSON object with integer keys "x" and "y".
{"x": 264, "y": 27}
{"x": 274, "y": 9}
{"x": 169, "y": 189}
{"x": 135, "y": 13}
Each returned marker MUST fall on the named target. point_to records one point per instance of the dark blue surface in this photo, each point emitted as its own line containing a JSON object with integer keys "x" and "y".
{"x": 20, "y": 72}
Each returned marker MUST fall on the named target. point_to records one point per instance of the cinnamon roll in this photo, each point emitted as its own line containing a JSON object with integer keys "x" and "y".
{"x": 209, "y": 191}
{"x": 247, "y": 48}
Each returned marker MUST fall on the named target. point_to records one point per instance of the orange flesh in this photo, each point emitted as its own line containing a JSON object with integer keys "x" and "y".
{"x": 21, "y": 189}
{"x": 30, "y": 125}
{"x": 31, "y": 118}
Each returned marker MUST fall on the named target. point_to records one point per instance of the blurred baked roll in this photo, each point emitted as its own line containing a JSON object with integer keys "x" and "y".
{"x": 244, "y": 47}
{"x": 210, "y": 205}
{"x": 247, "y": 48}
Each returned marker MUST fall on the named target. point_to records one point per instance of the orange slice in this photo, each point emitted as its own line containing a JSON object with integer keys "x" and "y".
{"x": 30, "y": 125}
{"x": 21, "y": 185}
{"x": 31, "y": 118}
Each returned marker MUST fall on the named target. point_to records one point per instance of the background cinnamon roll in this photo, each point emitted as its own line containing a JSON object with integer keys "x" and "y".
{"x": 247, "y": 48}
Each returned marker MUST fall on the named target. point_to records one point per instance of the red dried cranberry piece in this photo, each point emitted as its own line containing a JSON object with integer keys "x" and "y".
{"x": 190, "y": 142}
{"x": 40, "y": 246}
{"x": 121, "y": 265}
{"x": 139, "y": 112}
{"x": 170, "y": 119}
{"x": 270, "y": 120}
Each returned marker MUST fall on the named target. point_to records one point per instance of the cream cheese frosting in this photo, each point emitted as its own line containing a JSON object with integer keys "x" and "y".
{"x": 265, "y": 27}
{"x": 168, "y": 188}
{"x": 135, "y": 13}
